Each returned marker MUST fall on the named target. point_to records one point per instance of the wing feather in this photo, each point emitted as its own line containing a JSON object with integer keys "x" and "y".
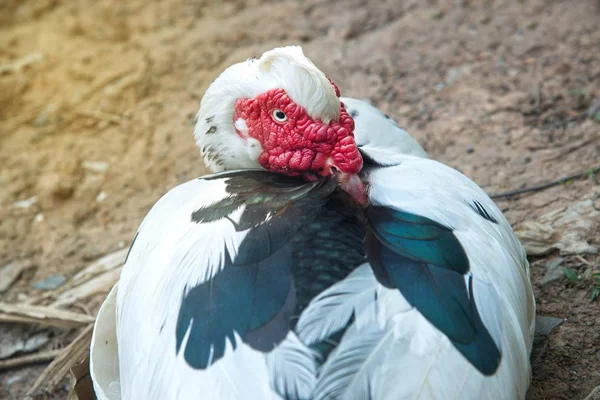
{"x": 348, "y": 372}
{"x": 293, "y": 369}
{"x": 331, "y": 310}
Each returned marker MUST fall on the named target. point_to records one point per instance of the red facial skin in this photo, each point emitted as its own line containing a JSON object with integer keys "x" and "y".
{"x": 300, "y": 146}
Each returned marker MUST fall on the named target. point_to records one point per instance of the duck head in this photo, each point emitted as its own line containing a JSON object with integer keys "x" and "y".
{"x": 280, "y": 113}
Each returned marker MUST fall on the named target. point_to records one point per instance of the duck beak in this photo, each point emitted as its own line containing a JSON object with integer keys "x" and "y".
{"x": 354, "y": 186}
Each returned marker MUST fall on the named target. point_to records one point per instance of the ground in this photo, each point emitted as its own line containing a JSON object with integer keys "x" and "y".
{"x": 98, "y": 98}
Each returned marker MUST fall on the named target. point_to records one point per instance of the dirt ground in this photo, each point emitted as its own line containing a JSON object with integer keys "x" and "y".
{"x": 97, "y": 105}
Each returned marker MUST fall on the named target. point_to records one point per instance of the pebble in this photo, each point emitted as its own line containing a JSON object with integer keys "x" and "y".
{"x": 11, "y": 381}
{"x": 545, "y": 325}
{"x": 101, "y": 197}
{"x": 455, "y": 73}
{"x": 17, "y": 338}
{"x": 25, "y": 203}
{"x": 99, "y": 167}
{"x": 50, "y": 283}
{"x": 553, "y": 271}
{"x": 9, "y": 273}
{"x": 594, "y": 110}
{"x": 41, "y": 120}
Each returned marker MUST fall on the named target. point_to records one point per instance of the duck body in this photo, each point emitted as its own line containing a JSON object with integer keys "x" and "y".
{"x": 250, "y": 284}
{"x": 319, "y": 286}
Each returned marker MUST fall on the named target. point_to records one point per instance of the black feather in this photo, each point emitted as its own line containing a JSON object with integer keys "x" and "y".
{"x": 303, "y": 237}
{"x": 480, "y": 209}
{"x": 426, "y": 262}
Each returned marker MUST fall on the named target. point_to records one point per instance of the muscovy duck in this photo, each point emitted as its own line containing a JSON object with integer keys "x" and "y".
{"x": 250, "y": 284}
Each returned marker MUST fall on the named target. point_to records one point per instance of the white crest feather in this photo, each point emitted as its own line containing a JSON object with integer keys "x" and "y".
{"x": 302, "y": 81}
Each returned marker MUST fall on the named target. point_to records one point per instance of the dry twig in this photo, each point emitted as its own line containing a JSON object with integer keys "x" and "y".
{"x": 58, "y": 369}
{"x": 99, "y": 284}
{"x": 29, "y": 314}
{"x": 17, "y": 362}
{"x": 547, "y": 185}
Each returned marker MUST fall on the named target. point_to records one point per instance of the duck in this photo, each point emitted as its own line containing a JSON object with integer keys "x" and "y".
{"x": 325, "y": 257}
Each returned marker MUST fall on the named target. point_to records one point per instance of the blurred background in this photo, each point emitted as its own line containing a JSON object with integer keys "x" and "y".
{"x": 97, "y": 106}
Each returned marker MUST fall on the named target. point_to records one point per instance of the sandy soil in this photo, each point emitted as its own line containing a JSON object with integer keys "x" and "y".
{"x": 498, "y": 90}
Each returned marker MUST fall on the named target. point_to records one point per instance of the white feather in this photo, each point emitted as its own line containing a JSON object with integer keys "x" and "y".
{"x": 293, "y": 368}
{"x": 331, "y": 310}
{"x": 422, "y": 363}
{"x": 348, "y": 372}
{"x": 171, "y": 253}
{"x": 302, "y": 81}
{"x": 104, "y": 360}
{"x": 378, "y": 136}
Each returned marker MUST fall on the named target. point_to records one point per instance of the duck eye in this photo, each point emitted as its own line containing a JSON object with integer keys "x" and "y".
{"x": 279, "y": 116}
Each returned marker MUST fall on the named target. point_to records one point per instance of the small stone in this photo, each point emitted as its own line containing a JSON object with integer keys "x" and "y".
{"x": 41, "y": 120}
{"x": 101, "y": 197}
{"x": 470, "y": 149}
{"x": 453, "y": 75}
{"x": 52, "y": 282}
{"x": 46, "y": 116}
{"x": 99, "y": 167}
{"x": 39, "y": 217}
{"x": 545, "y": 325}
{"x": 9, "y": 273}
{"x": 11, "y": 381}
{"x": 18, "y": 338}
{"x": 121, "y": 244}
{"x": 594, "y": 110}
{"x": 25, "y": 203}
{"x": 553, "y": 271}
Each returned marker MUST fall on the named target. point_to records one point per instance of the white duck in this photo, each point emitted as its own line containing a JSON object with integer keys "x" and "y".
{"x": 223, "y": 266}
